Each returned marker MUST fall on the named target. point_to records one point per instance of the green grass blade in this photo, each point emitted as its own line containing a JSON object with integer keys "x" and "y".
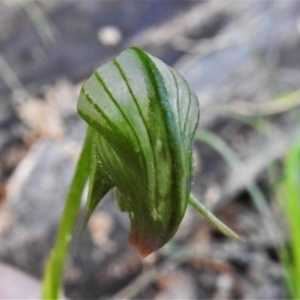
{"x": 11, "y": 79}
{"x": 289, "y": 275}
{"x": 291, "y": 206}
{"x": 55, "y": 264}
{"x": 43, "y": 25}
{"x": 259, "y": 124}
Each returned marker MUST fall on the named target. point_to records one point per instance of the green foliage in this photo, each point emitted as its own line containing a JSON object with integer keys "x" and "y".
{"x": 290, "y": 196}
{"x": 142, "y": 118}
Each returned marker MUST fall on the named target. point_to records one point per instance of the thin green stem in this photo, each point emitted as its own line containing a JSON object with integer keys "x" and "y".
{"x": 212, "y": 219}
{"x": 234, "y": 161}
{"x": 55, "y": 264}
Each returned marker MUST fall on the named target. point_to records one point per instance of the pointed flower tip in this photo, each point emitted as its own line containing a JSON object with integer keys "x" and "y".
{"x": 141, "y": 249}
{"x": 144, "y": 245}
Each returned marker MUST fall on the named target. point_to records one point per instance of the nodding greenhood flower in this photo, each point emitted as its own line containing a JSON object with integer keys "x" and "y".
{"x": 142, "y": 119}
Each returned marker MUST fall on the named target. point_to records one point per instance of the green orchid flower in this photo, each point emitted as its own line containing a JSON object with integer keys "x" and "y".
{"x": 142, "y": 117}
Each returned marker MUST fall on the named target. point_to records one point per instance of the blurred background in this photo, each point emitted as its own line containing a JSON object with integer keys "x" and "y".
{"x": 242, "y": 58}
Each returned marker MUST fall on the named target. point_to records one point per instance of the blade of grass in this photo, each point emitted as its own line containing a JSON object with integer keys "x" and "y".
{"x": 280, "y": 105}
{"x": 291, "y": 207}
{"x": 259, "y": 124}
{"x": 55, "y": 264}
{"x": 45, "y": 29}
{"x": 11, "y": 79}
